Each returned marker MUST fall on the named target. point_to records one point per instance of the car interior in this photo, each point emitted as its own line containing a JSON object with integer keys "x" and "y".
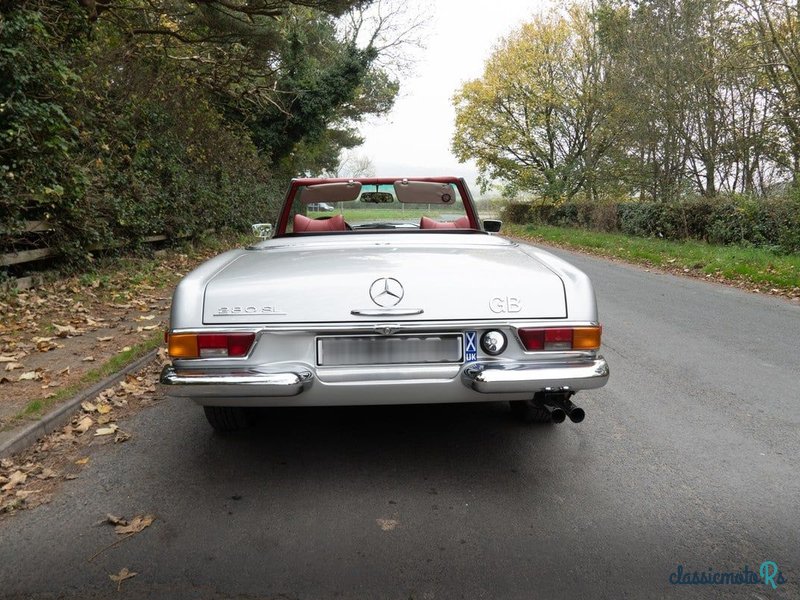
{"x": 403, "y": 206}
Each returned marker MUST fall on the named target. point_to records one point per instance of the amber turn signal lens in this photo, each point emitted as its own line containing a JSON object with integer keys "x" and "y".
{"x": 183, "y": 345}
{"x": 587, "y": 338}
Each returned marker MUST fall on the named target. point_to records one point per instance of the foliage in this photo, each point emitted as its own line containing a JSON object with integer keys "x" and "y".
{"x": 657, "y": 99}
{"x": 519, "y": 213}
{"x": 533, "y": 118}
{"x": 38, "y": 139}
{"x": 773, "y": 224}
{"x": 127, "y": 119}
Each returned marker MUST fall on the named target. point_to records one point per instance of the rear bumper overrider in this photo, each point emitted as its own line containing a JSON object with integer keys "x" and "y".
{"x": 536, "y": 377}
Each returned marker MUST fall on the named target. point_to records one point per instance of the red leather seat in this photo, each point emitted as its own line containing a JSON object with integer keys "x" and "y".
{"x": 302, "y": 223}
{"x": 459, "y": 223}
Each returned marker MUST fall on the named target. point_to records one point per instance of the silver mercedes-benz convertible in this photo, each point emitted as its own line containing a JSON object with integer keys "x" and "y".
{"x": 399, "y": 295}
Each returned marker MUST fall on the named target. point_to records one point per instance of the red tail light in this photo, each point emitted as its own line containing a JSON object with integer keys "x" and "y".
{"x": 532, "y": 339}
{"x": 561, "y": 338}
{"x": 210, "y": 345}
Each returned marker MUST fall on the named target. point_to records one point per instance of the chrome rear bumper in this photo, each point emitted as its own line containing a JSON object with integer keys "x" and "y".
{"x": 483, "y": 381}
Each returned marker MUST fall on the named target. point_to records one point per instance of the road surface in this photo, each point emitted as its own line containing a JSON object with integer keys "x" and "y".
{"x": 687, "y": 458}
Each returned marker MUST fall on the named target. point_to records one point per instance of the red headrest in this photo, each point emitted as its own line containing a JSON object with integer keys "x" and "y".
{"x": 459, "y": 223}
{"x": 303, "y": 223}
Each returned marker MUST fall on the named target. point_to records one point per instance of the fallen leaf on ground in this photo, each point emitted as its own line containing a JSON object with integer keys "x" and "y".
{"x": 22, "y": 494}
{"x": 13, "y": 365}
{"x": 45, "y": 344}
{"x": 30, "y": 376}
{"x": 88, "y": 406}
{"x": 5, "y": 359}
{"x": 387, "y": 524}
{"x": 107, "y": 430}
{"x": 88, "y": 359}
{"x": 122, "y": 576}
{"x": 121, "y": 436}
{"x": 135, "y": 525}
{"x": 47, "y": 473}
{"x": 64, "y": 371}
{"x": 103, "y": 408}
{"x": 125, "y": 349}
{"x": 63, "y": 331}
{"x": 115, "y": 520}
{"x": 16, "y": 478}
{"x": 82, "y": 461}
{"x": 146, "y": 318}
{"x": 105, "y": 338}
{"x": 83, "y": 425}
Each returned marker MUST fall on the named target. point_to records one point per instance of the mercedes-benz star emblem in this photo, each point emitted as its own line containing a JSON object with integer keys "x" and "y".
{"x": 386, "y": 291}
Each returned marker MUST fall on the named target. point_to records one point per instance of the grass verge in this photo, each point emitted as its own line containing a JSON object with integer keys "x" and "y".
{"x": 35, "y": 409}
{"x": 755, "y": 267}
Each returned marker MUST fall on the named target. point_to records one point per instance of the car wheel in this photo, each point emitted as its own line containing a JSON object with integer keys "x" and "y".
{"x": 529, "y": 411}
{"x": 228, "y": 418}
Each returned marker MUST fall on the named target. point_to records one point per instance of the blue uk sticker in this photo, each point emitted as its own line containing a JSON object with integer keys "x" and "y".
{"x": 470, "y": 346}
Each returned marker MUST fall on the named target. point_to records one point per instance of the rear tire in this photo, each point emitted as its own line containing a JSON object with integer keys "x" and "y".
{"x": 226, "y": 419}
{"x": 529, "y": 411}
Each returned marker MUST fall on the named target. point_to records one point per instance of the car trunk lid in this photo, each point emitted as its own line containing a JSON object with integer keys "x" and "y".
{"x": 379, "y": 279}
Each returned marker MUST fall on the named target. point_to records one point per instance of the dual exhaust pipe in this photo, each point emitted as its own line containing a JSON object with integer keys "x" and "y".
{"x": 561, "y": 407}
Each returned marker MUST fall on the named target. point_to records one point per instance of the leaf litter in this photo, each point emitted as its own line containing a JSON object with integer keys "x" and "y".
{"x": 28, "y": 480}
{"x": 57, "y": 330}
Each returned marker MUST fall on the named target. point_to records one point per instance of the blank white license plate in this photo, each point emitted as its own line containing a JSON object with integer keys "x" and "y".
{"x": 389, "y": 350}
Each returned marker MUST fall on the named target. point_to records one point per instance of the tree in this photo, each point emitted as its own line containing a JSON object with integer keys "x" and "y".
{"x": 535, "y": 118}
{"x": 127, "y": 118}
{"x": 777, "y": 29}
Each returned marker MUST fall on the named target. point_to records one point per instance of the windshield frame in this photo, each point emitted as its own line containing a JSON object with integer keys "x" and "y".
{"x": 296, "y": 184}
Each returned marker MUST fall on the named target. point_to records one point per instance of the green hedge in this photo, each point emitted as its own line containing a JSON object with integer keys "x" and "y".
{"x": 110, "y": 155}
{"x": 772, "y": 223}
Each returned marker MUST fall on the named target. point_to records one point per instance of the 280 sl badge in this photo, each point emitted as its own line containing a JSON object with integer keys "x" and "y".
{"x": 227, "y": 311}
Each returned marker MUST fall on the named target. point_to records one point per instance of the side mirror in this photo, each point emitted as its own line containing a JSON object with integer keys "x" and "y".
{"x": 263, "y": 230}
{"x": 492, "y": 225}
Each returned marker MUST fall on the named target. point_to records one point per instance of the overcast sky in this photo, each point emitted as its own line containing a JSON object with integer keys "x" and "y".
{"x": 415, "y": 138}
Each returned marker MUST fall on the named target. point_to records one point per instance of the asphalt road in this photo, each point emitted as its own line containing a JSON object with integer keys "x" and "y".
{"x": 688, "y": 457}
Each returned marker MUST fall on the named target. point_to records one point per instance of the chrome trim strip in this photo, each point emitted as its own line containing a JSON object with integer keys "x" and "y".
{"x": 490, "y": 378}
{"x": 438, "y": 325}
{"x": 241, "y": 383}
{"x": 386, "y": 312}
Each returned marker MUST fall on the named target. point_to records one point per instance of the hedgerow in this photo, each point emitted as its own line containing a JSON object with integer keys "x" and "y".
{"x": 772, "y": 223}
{"x": 124, "y": 120}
